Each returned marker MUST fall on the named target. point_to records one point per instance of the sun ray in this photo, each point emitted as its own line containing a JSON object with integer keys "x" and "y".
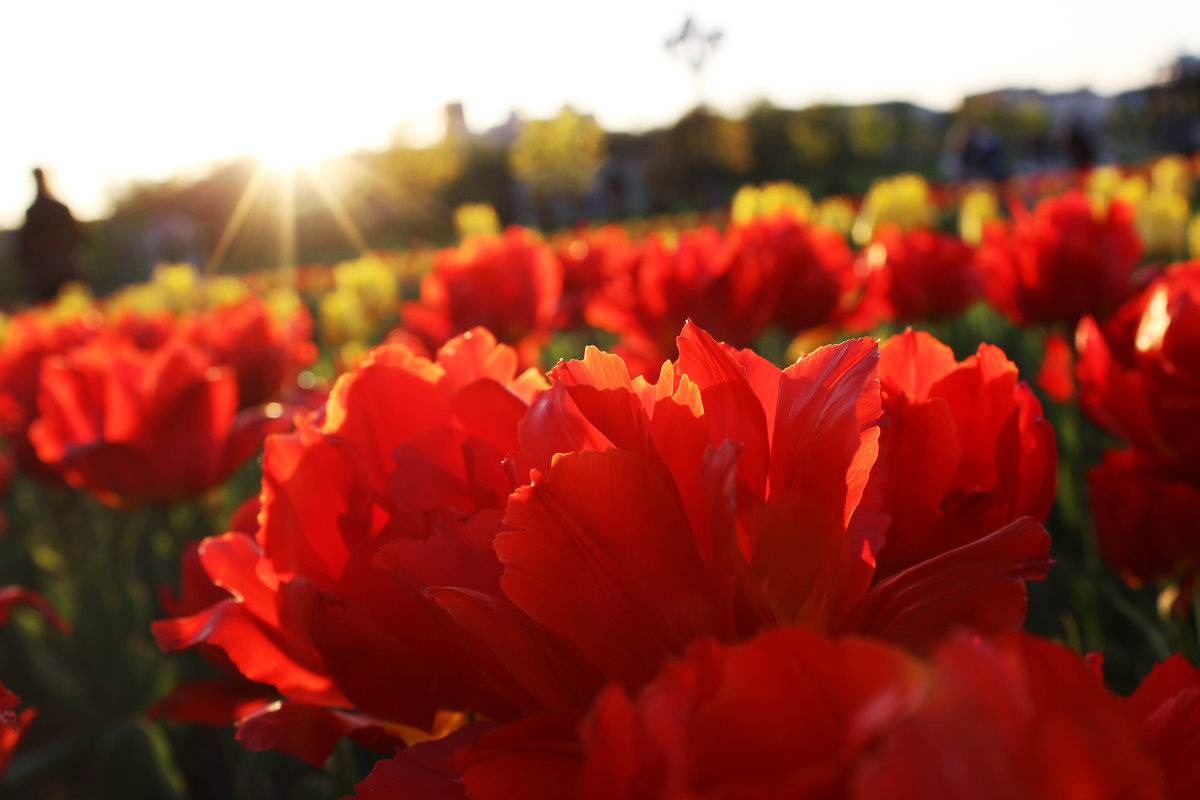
{"x": 235, "y": 220}
{"x": 386, "y": 191}
{"x": 287, "y": 222}
{"x": 338, "y": 211}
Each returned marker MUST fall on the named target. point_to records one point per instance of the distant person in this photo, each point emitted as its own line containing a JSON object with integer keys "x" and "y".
{"x": 48, "y": 244}
{"x": 1081, "y": 146}
{"x": 983, "y": 155}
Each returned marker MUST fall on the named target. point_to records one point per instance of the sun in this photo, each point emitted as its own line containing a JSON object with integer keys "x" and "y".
{"x": 285, "y": 154}
{"x": 297, "y": 142}
{"x": 291, "y": 153}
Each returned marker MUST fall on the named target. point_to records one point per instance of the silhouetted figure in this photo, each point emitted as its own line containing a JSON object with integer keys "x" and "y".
{"x": 1081, "y": 146}
{"x": 983, "y": 155}
{"x": 48, "y": 244}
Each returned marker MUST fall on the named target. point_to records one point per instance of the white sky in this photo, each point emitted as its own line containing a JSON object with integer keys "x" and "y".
{"x": 102, "y": 92}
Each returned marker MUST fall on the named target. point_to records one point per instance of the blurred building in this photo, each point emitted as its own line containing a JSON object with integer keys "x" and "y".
{"x": 456, "y": 122}
{"x": 618, "y": 190}
{"x": 1173, "y": 106}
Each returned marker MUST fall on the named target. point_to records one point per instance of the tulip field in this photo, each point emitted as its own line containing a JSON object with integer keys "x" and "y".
{"x": 859, "y": 497}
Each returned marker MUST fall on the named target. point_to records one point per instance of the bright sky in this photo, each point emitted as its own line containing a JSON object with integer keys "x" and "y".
{"x": 102, "y": 92}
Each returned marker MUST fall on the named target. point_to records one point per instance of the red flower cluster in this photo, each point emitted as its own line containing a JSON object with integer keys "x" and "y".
{"x": 148, "y": 409}
{"x": 792, "y": 713}
{"x": 1056, "y": 263}
{"x": 987, "y": 455}
{"x": 1139, "y": 378}
{"x": 915, "y": 275}
{"x": 112, "y": 420}
{"x": 265, "y": 353}
{"x": 1167, "y": 707}
{"x": 1061, "y": 261}
{"x": 28, "y": 339}
{"x": 803, "y": 272}
{"x": 590, "y": 258}
{"x": 448, "y": 537}
{"x": 510, "y": 284}
{"x": 767, "y": 271}
{"x": 397, "y": 485}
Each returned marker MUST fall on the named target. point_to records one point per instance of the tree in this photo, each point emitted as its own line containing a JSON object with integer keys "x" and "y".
{"x": 816, "y": 134}
{"x": 559, "y": 155}
{"x": 872, "y": 132}
{"x": 700, "y": 161}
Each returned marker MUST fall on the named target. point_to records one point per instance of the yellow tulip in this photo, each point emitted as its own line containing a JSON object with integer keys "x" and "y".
{"x": 745, "y": 204}
{"x": 1103, "y": 182}
{"x": 837, "y": 213}
{"x": 73, "y": 301}
{"x": 350, "y": 354}
{"x": 178, "y": 283}
{"x": 139, "y": 298}
{"x": 904, "y": 200}
{"x": 1194, "y": 237}
{"x": 771, "y": 199}
{"x": 1133, "y": 189}
{"x": 224, "y": 290}
{"x": 282, "y": 303}
{"x": 471, "y": 219}
{"x": 343, "y": 318}
{"x": 1172, "y": 174}
{"x": 978, "y": 206}
{"x": 1162, "y": 222}
{"x": 372, "y": 281}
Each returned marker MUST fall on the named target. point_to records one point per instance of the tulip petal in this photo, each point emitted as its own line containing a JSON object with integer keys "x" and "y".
{"x": 811, "y": 559}
{"x": 603, "y": 555}
{"x": 980, "y": 585}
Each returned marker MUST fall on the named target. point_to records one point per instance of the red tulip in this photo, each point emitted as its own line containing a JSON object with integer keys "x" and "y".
{"x": 1139, "y": 373}
{"x": 804, "y": 272}
{"x": 791, "y": 713}
{"x": 396, "y": 486}
{"x": 265, "y": 354}
{"x": 915, "y": 275}
{"x": 510, "y": 284}
{"x": 1167, "y": 704}
{"x": 134, "y": 427}
{"x": 29, "y": 339}
{"x": 970, "y": 449}
{"x": 207, "y": 701}
{"x": 769, "y": 270}
{"x": 423, "y": 771}
{"x": 737, "y": 498}
{"x": 727, "y": 497}
{"x": 590, "y": 259}
{"x": 1056, "y": 377}
{"x": 1061, "y": 261}
{"x": 665, "y": 284}
{"x": 146, "y": 330}
{"x": 1145, "y": 514}
{"x": 1012, "y": 717}
{"x": 631, "y": 553}
{"x": 1139, "y": 378}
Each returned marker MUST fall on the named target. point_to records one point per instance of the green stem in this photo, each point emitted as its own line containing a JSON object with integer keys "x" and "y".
{"x": 1154, "y": 636}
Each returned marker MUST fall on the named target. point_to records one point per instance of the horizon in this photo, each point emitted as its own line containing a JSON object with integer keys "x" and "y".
{"x": 200, "y": 91}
